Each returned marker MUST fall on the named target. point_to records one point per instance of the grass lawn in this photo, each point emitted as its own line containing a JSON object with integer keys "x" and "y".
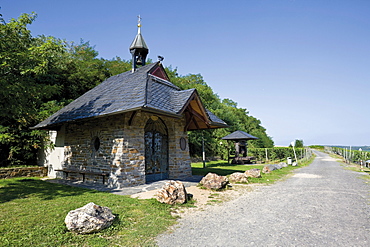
{"x": 354, "y": 167}
{"x": 32, "y": 213}
{"x": 224, "y": 169}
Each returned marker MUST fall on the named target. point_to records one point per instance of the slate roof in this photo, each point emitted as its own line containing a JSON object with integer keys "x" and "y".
{"x": 129, "y": 91}
{"x": 239, "y": 135}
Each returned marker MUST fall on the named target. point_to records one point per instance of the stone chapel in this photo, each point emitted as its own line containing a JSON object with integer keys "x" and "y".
{"x": 131, "y": 128}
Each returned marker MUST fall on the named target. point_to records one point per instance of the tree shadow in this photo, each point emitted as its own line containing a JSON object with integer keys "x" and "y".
{"x": 218, "y": 171}
{"x": 23, "y": 188}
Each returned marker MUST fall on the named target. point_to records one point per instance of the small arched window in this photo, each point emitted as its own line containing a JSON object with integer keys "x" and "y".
{"x": 96, "y": 143}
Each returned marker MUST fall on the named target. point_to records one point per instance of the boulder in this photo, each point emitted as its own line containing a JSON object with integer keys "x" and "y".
{"x": 89, "y": 218}
{"x": 214, "y": 182}
{"x": 278, "y": 166}
{"x": 269, "y": 168}
{"x": 294, "y": 163}
{"x": 238, "y": 177}
{"x": 173, "y": 192}
{"x": 253, "y": 173}
{"x": 283, "y": 164}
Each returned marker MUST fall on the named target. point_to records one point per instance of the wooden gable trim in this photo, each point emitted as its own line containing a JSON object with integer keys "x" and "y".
{"x": 193, "y": 117}
{"x": 189, "y": 118}
{"x": 196, "y": 114}
{"x": 194, "y": 97}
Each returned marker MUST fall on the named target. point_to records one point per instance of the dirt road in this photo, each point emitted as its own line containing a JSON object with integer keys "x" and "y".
{"x": 320, "y": 205}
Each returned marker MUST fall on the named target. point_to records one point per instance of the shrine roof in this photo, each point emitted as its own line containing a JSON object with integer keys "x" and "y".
{"x": 239, "y": 135}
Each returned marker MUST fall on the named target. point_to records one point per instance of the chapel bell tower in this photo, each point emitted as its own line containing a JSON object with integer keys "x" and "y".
{"x": 138, "y": 48}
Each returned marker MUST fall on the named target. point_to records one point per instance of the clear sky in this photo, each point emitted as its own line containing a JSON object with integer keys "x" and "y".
{"x": 300, "y": 66}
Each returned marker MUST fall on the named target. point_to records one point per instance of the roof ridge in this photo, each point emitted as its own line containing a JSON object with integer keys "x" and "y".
{"x": 165, "y": 82}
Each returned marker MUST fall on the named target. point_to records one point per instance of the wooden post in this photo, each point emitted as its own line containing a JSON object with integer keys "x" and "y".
{"x": 203, "y": 152}
{"x": 267, "y": 158}
{"x": 295, "y": 155}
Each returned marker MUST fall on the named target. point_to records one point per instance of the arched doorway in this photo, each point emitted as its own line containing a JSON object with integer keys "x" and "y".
{"x": 156, "y": 149}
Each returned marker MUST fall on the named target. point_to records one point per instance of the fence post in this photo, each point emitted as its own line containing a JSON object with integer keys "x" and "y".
{"x": 203, "y": 152}
{"x": 295, "y": 155}
{"x": 267, "y": 158}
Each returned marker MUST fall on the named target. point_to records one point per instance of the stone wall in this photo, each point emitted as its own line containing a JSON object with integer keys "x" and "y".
{"x": 122, "y": 149}
{"x": 23, "y": 172}
{"x": 179, "y": 160}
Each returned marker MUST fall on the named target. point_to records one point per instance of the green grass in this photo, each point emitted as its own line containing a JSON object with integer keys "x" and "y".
{"x": 33, "y": 213}
{"x": 221, "y": 168}
{"x": 357, "y": 168}
{"x": 224, "y": 169}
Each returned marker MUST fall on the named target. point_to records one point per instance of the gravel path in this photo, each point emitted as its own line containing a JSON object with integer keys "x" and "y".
{"x": 321, "y": 205}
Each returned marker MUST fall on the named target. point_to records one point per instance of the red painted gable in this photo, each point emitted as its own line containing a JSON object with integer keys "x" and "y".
{"x": 159, "y": 72}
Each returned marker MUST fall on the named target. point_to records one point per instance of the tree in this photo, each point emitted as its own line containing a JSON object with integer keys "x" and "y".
{"x": 26, "y": 63}
{"x": 299, "y": 143}
{"x": 227, "y": 110}
{"x": 40, "y": 75}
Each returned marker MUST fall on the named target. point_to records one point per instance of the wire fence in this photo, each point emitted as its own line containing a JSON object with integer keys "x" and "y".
{"x": 356, "y": 156}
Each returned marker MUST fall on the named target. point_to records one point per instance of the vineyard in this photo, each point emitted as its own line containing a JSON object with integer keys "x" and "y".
{"x": 278, "y": 154}
{"x": 349, "y": 155}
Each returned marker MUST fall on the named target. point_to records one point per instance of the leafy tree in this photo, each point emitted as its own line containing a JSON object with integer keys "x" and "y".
{"x": 40, "y": 75}
{"x": 117, "y": 65}
{"x": 299, "y": 143}
{"x": 26, "y": 63}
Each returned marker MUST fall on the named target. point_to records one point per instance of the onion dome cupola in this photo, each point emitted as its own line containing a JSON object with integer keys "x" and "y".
{"x": 138, "y": 48}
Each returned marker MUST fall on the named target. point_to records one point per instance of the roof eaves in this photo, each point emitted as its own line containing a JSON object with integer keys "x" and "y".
{"x": 221, "y": 125}
{"x": 159, "y": 111}
{"x": 47, "y": 126}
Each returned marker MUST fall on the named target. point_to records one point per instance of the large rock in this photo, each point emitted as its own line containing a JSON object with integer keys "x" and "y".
{"x": 278, "y": 166}
{"x": 238, "y": 177}
{"x": 89, "y": 218}
{"x": 269, "y": 168}
{"x": 283, "y": 164}
{"x": 253, "y": 173}
{"x": 214, "y": 182}
{"x": 173, "y": 192}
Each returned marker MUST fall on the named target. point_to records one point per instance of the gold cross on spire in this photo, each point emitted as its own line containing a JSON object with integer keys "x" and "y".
{"x": 139, "y": 21}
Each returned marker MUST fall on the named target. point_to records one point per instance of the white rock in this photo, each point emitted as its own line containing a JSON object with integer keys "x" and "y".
{"x": 173, "y": 192}
{"x": 89, "y": 218}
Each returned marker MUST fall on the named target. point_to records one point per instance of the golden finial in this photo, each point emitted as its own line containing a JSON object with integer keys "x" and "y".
{"x": 139, "y": 21}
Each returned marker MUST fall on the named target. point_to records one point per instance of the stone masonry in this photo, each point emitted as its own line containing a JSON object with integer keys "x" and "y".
{"x": 23, "y": 172}
{"x": 122, "y": 150}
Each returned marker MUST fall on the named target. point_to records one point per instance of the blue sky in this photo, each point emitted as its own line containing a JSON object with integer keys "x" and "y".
{"x": 300, "y": 66}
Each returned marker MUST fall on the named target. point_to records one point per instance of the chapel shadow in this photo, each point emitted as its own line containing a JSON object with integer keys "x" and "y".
{"x": 23, "y": 188}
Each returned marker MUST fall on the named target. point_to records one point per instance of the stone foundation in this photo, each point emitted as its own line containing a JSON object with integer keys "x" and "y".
{"x": 23, "y": 172}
